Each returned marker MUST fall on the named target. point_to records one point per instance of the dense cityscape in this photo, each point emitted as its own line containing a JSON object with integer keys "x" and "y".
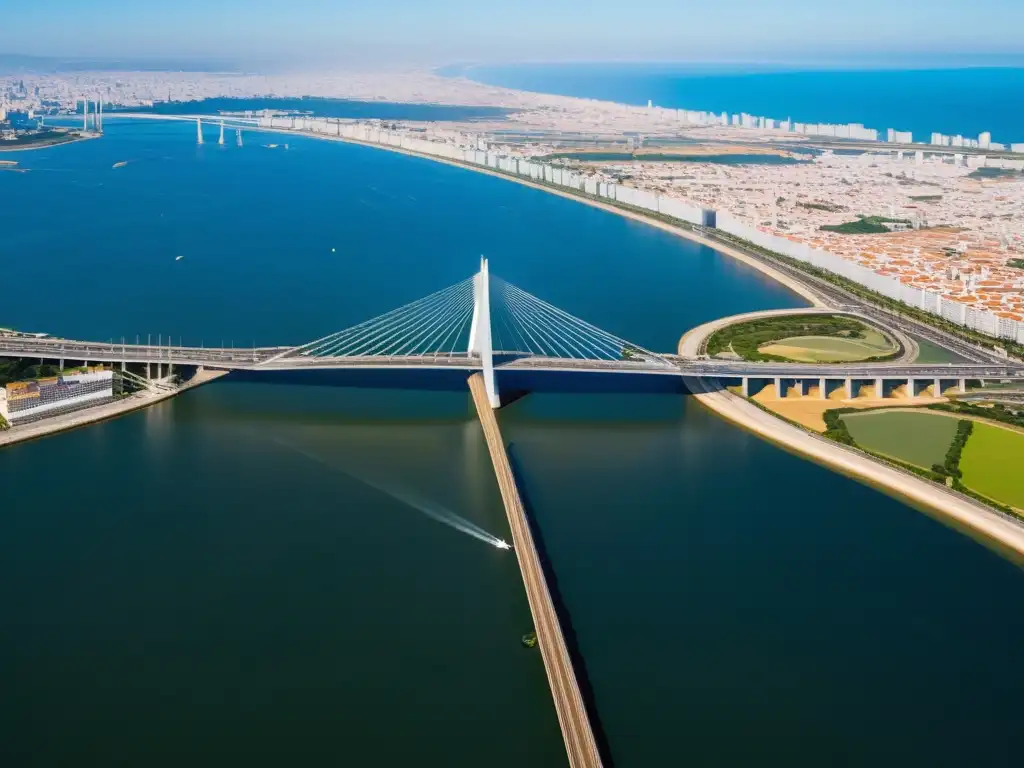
{"x": 950, "y": 222}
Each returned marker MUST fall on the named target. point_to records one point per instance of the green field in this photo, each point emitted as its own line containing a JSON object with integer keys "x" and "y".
{"x": 992, "y": 463}
{"x": 801, "y": 338}
{"x": 830, "y": 349}
{"x": 921, "y": 438}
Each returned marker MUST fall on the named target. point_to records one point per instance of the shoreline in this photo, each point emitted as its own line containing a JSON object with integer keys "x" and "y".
{"x": 83, "y": 418}
{"x": 987, "y": 524}
{"x": 34, "y": 147}
{"x": 793, "y": 285}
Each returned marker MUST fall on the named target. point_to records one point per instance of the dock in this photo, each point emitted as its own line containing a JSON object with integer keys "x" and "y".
{"x": 580, "y": 745}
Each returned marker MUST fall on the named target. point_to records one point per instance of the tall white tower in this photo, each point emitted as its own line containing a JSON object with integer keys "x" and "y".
{"x": 480, "y": 344}
{"x": 238, "y": 138}
{"x": 199, "y": 131}
{"x": 221, "y": 139}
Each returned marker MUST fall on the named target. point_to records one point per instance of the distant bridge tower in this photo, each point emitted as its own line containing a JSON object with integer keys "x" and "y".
{"x": 85, "y": 114}
{"x": 199, "y": 131}
{"x": 221, "y": 139}
{"x": 480, "y": 344}
{"x": 238, "y": 138}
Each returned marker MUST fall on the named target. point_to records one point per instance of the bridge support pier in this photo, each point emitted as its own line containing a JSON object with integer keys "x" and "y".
{"x": 879, "y": 388}
{"x": 745, "y": 384}
{"x": 962, "y": 386}
{"x": 911, "y": 391}
{"x": 803, "y": 387}
{"x": 60, "y": 365}
{"x": 779, "y": 393}
{"x": 823, "y": 388}
{"x": 849, "y": 388}
{"x": 937, "y": 388}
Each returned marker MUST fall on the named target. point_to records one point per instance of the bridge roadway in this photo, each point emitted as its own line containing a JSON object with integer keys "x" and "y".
{"x": 580, "y": 744}
{"x": 278, "y": 358}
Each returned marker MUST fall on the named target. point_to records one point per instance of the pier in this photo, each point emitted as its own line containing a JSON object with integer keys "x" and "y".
{"x": 580, "y": 745}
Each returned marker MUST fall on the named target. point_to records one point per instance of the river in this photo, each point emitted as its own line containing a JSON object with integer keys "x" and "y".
{"x": 245, "y": 574}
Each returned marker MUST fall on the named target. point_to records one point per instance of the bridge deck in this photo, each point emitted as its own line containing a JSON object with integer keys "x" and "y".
{"x": 284, "y": 358}
{"x": 572, "y": 712}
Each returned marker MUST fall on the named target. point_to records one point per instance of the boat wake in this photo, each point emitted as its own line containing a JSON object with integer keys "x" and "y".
{"x": 429, "y": 508}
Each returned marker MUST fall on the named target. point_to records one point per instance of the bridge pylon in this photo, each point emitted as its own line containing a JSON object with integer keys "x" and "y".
{"x": 480, "y": 339}
{"x": 199, "y": 131}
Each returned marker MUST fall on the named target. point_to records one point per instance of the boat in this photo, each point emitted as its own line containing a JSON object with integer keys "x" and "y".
{"x": 529, "y": 640}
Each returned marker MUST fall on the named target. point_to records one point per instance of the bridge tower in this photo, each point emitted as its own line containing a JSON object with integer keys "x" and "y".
{"x": 480, "y": 331}
{"x": 221, "y": 139}
{"x": 199, "y": 131}
{"x": 238, "y": 138}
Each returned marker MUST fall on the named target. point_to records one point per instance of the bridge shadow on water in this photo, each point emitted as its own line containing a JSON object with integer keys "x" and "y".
{"x": 512, "y": 383}
{"x": 564, "y": 619}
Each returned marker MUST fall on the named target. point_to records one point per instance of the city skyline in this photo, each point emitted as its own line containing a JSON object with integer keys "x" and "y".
{"x": 400, "y": 32}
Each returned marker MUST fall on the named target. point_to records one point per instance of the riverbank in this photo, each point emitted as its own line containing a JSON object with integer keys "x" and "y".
{"x": 794, "y": 285}
{"x": 86, "y": 416}
{"x": 989, "y": 525}
{"x": 71, "y": 139}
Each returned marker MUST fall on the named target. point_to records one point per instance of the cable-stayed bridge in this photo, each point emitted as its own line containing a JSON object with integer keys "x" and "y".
{"x": 484, "y": 324}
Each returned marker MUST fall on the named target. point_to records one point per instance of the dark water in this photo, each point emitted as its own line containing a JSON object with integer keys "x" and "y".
{"x": 349, "y": 108}
{"x": 245, "y": 574}
{"x": 951, "y": 101}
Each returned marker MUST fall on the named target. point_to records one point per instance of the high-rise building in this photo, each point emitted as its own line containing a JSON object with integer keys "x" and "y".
{"x": 984, "y": 139}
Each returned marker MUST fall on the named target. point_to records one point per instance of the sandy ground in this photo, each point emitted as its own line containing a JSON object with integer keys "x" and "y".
{"x": 974, "y": 518}
{"x": 808, "y": 410}
{"x": 87, "y": 416}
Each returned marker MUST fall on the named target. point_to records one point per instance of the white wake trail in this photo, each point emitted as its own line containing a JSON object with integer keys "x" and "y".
{"x": 430, "y": 509}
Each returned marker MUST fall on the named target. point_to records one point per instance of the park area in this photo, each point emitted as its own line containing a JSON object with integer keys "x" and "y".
{"x": 919, "y": 438}
{"x": 992, "y": 463}
{"x": 803, "y": 339}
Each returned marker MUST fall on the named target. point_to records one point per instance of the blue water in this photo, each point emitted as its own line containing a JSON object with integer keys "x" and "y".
{"x": 950, "y": 101}
{"x": 207, "y": 582}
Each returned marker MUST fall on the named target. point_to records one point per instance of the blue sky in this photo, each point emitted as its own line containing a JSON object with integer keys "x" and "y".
{"x": 444, "y": 31}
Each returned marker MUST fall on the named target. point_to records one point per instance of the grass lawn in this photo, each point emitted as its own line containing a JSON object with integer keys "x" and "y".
{"x": 830, "y": 349}
{"x": 917, "y": 438}
{"x": 992, "y": 462}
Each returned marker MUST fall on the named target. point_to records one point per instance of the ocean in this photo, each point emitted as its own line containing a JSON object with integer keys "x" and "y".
{"x": 949, "y": 101}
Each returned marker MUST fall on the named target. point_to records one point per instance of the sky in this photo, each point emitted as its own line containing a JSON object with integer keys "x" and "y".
{"x": 435, "y": 32}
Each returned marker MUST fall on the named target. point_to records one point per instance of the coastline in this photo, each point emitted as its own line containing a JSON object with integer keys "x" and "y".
{"x": 986, "y": 523}
{"x": 75, "y": 419}
{"x": 795, "y": 286}
{"x": 32, "y": 148}
{"x": 989, "y": 525}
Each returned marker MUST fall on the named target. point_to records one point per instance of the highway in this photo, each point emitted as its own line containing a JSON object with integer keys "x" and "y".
{"x": 843, "y": 300}
{"x": 278, "y": 358}
{"x": 580, "y": 745}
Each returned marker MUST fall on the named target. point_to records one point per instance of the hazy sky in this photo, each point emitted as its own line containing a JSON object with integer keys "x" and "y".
{"x": 444, "y": 31}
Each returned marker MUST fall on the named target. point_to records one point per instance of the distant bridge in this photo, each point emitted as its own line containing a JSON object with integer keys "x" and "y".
{"x": 488, "y": 325}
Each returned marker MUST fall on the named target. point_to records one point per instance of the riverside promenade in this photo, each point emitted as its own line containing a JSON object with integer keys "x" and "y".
{"x": 580, "y": 744}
